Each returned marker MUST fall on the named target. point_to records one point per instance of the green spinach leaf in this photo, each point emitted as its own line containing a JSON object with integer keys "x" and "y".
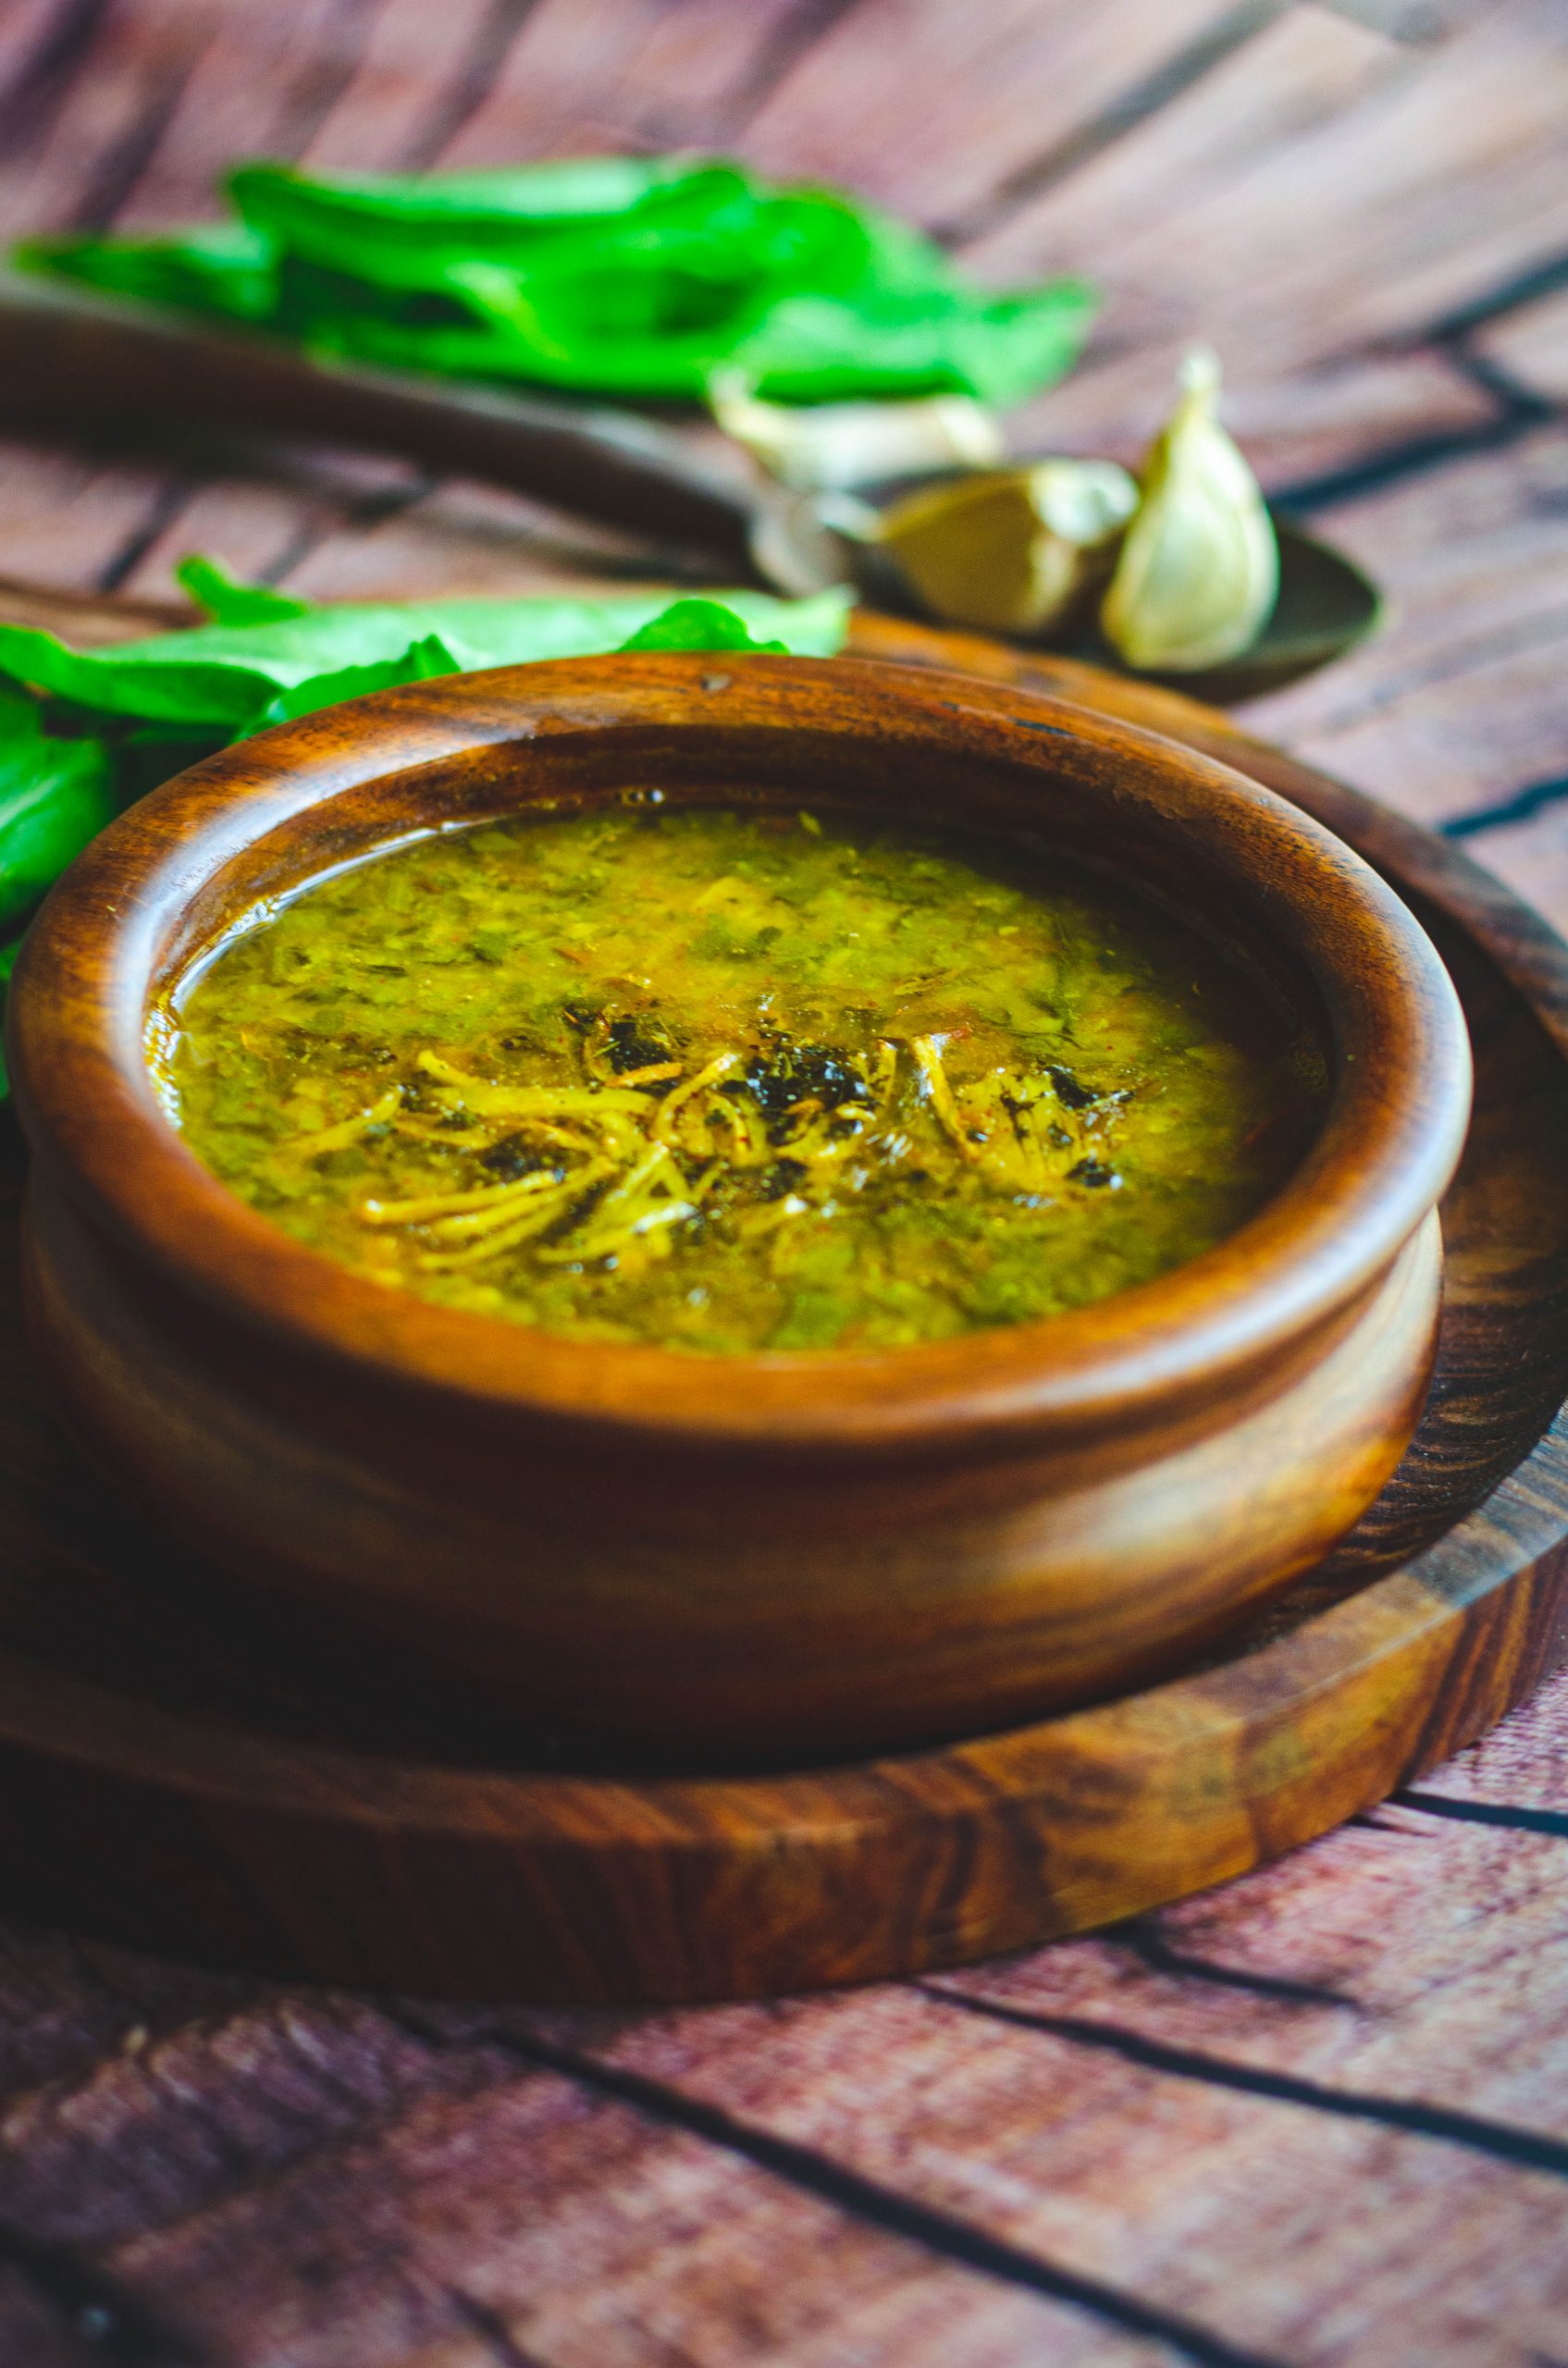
{"x": 229, "y": 602}
{"x": 701, "y": 624}
{"x": 641, "y": 277}
{"x": 227, "y": 677}
{"x": 54, "y": 796}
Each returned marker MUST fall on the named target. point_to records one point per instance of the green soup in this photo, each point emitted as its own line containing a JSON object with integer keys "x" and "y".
{"x": 729, "y": 1081}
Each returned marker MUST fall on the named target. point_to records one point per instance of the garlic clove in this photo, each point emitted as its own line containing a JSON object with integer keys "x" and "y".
{"x": 1013, "y": 551}
{"x": 822, "y": 447}
{"x": 1198, "y": 575}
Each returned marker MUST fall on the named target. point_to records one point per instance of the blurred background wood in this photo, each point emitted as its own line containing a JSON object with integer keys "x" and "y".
{"x": 1320, "y": 2117}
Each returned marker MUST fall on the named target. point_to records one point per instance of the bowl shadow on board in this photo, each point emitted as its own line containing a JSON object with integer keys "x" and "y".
{"x": 95, "y": 1584}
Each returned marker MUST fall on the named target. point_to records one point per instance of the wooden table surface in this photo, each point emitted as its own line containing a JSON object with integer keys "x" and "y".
{"x": 1319, "y": 2117}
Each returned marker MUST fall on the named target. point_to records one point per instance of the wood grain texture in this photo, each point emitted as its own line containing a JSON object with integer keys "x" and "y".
{"x": 339, "y": 2182}
{"x": 1308, "y": 419}
{"x": 1388, "y": 246}
{"x": 1454, "y": 707}
{"x": 198, "y": 2170}
{"x": 1361, "y": 1677}
{"x": 1531, "y": 343}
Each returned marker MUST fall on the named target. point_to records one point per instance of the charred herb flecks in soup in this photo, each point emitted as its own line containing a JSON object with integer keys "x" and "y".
{"x": 730, "y": 1080}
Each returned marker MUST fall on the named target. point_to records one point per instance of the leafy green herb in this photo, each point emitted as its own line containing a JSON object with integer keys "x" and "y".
{"x": 228, "y": 602}
{"x": 82, "y": 732}
{"x": 701, "y": 624}
{"x": 637, "y": 277}
{"x": 223, "y": 677}
{"x": 419, "y": 662}
{"x": 55, "y": 795}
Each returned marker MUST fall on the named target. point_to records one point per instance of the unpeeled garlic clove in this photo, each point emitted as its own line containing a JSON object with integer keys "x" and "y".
{"x": 822, "y": 447}
{"x": 1198, "y": 570}
{"x": 1012, "y": 551}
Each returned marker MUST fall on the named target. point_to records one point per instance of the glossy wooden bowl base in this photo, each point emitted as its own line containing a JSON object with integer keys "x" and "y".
{"x": 1317, "y": 1451}
{"x": 190, "y": 1769}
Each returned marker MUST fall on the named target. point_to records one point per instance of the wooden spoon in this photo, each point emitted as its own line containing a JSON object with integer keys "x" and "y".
{"x": 70, "y": 358}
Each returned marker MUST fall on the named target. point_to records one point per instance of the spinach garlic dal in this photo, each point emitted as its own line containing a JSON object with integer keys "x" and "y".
{"x": 727, "y": 1081}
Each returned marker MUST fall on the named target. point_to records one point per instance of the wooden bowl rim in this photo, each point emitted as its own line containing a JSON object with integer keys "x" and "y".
{"x": 1389, "y": 1145}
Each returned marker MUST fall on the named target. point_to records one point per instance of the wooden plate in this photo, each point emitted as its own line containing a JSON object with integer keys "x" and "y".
{"x": 189, "y": 1768}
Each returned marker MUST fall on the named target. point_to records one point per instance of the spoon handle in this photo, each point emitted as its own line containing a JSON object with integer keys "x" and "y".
{"x": 76, "y": 359}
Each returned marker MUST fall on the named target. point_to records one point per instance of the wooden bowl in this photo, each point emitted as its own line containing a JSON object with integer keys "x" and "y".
{"x": 805, "y": 1552}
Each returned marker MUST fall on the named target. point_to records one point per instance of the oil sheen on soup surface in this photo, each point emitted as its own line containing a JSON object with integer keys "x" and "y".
{"x": 731, "y": 1080}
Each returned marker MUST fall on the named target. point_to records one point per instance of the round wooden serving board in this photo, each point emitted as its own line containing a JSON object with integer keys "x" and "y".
{"x": 192, "y": 1769}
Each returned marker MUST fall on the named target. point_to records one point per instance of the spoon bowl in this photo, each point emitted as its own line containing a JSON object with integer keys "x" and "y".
{"x": 804, "y": 542}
